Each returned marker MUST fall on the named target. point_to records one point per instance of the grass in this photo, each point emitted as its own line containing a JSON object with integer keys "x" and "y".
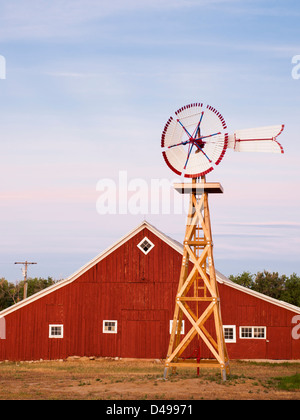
{"x": 288, "y": 383}
{"x": 108, "y": 379}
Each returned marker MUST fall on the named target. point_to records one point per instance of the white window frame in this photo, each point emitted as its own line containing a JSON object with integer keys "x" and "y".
{"x": 61, "y": 335}
{"x": 107, "y": 331}
{"x": 233, "y": 339}
{"x": 148, "y": 240}
{"x": 253, "y": 333}
{"x": 182, "y": 326}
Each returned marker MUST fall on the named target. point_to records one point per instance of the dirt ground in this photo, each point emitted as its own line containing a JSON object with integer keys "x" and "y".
{"x": 127, "y": 379}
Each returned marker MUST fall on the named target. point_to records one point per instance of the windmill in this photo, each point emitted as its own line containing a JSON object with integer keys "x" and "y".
{"x": 193, "y": 142}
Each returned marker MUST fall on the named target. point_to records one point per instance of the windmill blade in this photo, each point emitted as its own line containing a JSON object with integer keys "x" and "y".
{"x": 261, "y": 139}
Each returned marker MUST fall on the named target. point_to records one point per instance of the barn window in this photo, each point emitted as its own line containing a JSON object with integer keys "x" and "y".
{"x": 56, "y": 331}
{"x": 252, "y": 332}
{"x": 182, "y": 326}
{"x": 246, "y": 332}
{"x": 259, "y": 332}
{"x": 229, "y": 333}
{"x": 145, "y": 245}
{"x": 110, "y": 327}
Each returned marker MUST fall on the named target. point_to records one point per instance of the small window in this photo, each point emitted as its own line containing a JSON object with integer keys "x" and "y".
{"x": 145, "y": 245}
{"x": 56, "y": 331}
{"x": 253, "y": 332}
{"x": 182, "y": 326}
{"x": 259, "y": 332}
{"x": 246, "y": 332}
{"x": 229, "y": 333}
{"x": 110, "y": 327}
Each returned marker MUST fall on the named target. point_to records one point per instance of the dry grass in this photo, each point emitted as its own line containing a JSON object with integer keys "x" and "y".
{"x": 109, "y": 379}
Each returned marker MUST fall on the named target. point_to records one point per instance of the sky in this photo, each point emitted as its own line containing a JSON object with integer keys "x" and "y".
{"x": 88, "y": 88}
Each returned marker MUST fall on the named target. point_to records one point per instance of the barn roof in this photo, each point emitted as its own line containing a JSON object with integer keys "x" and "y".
{"x": 171, "y": 242}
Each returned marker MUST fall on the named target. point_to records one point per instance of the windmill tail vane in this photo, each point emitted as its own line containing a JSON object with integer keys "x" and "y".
{"x": 261, "y": 139}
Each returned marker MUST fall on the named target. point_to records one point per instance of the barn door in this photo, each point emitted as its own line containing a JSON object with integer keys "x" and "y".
{"x": 144, "y": 334}
{"x": 279, "y": 343}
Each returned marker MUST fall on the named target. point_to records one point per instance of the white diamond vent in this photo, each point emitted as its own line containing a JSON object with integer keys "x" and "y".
{"x": 145, "y": 245}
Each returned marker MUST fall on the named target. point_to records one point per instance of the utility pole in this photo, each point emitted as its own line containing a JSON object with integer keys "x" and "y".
{"x": 25, "y": 263}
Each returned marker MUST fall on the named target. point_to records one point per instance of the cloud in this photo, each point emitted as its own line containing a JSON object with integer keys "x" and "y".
{"x": 74, "y": 19}
{"x": 36, "y": 19}
{"x": 70, "y": 74}
{"x": 244, "y": 235}
{"x": 276, "y": 224}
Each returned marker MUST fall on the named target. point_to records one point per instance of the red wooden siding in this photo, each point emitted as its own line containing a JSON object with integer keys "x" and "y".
{"x": 135, "y": 289}
{"x": 242, "y": 310}
{"x": 138, "y": 291}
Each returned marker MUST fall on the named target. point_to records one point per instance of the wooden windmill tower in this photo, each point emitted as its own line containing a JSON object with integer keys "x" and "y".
{"x": 202, "y": 130}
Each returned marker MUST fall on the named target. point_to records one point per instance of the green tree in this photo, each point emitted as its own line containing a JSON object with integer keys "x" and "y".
{"x": 37, "y": 284}
{"x": 291, "y": 291}
{"x": 11, "y": 293}
{"x": 270, "y": 284}
{"x": 245, "y": 279}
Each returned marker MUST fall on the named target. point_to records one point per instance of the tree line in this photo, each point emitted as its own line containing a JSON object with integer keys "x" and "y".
{"x": 11, "y": 293}
{"x": 274, "y": 285}
{"x": 277, "y": 286}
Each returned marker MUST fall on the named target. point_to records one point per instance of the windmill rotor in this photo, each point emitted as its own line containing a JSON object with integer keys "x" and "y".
{"x": 196, "y": 139}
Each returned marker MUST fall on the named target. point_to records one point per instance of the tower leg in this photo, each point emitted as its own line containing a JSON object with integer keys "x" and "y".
{"x": 223, "y": 373}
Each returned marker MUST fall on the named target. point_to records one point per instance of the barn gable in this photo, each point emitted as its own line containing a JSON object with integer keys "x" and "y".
{"x": 84, "y": 269}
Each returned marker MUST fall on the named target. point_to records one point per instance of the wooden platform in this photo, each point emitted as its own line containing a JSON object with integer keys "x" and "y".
{"x": 199, "y": 187}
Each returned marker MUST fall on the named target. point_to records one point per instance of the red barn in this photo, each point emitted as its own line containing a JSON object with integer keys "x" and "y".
{"x": 121, "y": 304}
